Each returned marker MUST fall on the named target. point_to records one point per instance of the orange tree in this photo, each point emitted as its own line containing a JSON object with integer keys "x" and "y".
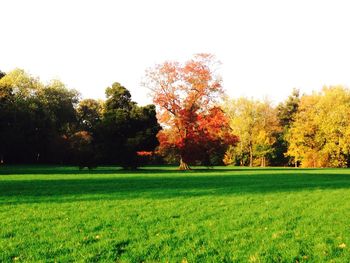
{"x": 186, "y": 96}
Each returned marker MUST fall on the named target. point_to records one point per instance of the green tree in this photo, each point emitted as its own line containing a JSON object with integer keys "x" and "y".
{"x": 89, "y": 113}
{"x": 286, "y": 114}
{"x": 126, "y": 128}
{"x": 34, "y": 118}
{"x": 82, "y": 147}
{"x": 18, "y": 107}
{"x": 59, "y": 104}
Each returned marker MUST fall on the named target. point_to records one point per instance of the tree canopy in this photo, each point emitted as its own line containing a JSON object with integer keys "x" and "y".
{"x": 187, "y": 97}
{"x": 256, "y": 125}
{"x": 192, "y": 122}
{"x": 126, "y": 128}
{"x": 48, "y": 123}
{"x": 319, "y": 136}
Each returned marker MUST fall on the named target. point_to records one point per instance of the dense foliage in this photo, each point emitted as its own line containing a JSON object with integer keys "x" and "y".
{"x": 309, "y": 130}
{"x": 320, "y": 133}
{"x": 256, "y": 125}
{"x": 126, "y": 127}
{"x": 195, "y": 128}
{"x": 49, "y": 124}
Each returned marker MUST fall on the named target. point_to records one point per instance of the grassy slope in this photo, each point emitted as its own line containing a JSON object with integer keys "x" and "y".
{"x": 159, "y": 214}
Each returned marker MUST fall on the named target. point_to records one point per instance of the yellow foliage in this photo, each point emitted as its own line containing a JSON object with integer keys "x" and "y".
{"x": 256, "y": 124}
{"x": 320, "y": 134}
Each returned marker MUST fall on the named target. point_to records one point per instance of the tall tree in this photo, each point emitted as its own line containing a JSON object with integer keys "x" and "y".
{"x": 256, "y": 125}
{"x": 268, "y": 128}
{"x": 286, "y": 112}
{"x": 2, "y": 74}
{"x": 186, "y": 95}
{"x": 2, "y": 119}
{"x": 18, "y": 118}
{"x": 89, "y": 113}
{"x": 320, "y": 134}
{"x": 126, "y": 128}
{"x": 59, "y": 104}
{"x": 33, "y": 117}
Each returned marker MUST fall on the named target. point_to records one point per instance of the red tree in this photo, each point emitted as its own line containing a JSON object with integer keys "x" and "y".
{"x": 186, "y": 96}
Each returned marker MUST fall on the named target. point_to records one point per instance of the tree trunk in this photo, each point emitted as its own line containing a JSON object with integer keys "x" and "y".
{"x": 250, "y": 156}
{"x": 183, "y": 166}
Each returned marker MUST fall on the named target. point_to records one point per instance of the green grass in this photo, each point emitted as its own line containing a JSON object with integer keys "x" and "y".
{"x": 61, "y": 214}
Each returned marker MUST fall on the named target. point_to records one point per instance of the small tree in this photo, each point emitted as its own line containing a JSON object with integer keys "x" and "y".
{"x": 83, "y": 150}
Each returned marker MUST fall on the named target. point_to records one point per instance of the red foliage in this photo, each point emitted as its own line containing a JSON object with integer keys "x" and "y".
{"x": 186, "y": 96}
{"x": 144, "y": 153}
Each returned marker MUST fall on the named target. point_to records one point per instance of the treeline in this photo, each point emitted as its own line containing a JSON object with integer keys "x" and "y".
{"x": 312, "y": 130}
{"x": 48, "y": 123}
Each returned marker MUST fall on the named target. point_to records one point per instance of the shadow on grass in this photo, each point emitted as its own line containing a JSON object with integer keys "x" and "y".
{"x": 142, "y": 184}
{"x": 54, "y": 170}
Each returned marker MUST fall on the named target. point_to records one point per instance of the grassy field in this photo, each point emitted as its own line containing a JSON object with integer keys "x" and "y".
{"x": 61, "y": 214}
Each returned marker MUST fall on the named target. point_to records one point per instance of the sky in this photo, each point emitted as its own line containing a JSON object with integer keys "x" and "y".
{"x": 266, "y": 47}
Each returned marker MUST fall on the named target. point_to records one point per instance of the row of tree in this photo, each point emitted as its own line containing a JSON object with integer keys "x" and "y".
{"x": 262, "y": 130}
{"x": 309, "y": 130}
{"x": 195, "y": 123}
{"x": 49, "y": 124}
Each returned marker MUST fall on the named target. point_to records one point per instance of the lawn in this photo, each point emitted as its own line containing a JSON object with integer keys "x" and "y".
{"x": 61, "y": 214}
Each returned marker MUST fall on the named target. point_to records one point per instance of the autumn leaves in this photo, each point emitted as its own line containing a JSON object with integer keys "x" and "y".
{"x": 199, "y": 124}
{"x": 187, "y": 96}
{"x": 308, "y": 131}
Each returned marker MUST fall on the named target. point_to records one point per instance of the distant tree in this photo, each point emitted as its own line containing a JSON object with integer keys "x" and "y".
{"x": 2, "y": 120}
{"x": 83, "y": 150}
{"x": 319, "y": 136}
{"x": 89, "y": 114}
{"x": 269, "y": 128}
{"x": 34, "y": 118}
{"x": 47, "y": 124}
{"x": 243, "y": 120}
{"x": 18, "y": 119}
{"x": 286, "y": 112}
{"x": 59, "y": 121}
{"x": 126, "y": 128}
{"x": 256, "y": 125}
{"x": 301, "y": 136}
{"x": 186, "y": 96}
{"x": 60, "y": 103}
{"x": 2, "y": 74}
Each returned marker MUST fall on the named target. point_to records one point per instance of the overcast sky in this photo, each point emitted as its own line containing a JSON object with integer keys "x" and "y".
{"x": 266, "y": 47}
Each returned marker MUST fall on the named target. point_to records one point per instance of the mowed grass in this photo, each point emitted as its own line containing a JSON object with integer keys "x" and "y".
{"x": 61, "y": 214}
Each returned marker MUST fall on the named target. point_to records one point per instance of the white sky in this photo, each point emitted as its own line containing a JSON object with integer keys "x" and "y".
{"x": 266, "y": 47}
